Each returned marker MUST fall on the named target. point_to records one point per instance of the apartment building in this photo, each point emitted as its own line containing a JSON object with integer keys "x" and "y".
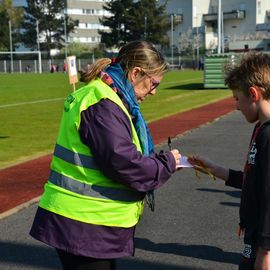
{"x": 88, "y": 13}
{"x": 245, "y": 24}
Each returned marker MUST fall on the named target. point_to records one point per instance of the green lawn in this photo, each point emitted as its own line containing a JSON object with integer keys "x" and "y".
{"x": 31, "y": 107}
{"x": 178, "y": 92}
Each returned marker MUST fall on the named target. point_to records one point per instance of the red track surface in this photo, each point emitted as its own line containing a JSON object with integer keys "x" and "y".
{"x": 21, "y": 183}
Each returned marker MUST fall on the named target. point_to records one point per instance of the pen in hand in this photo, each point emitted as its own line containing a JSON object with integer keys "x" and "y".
{"x": 175, "y": 153}
{"x": 170, "y": 143}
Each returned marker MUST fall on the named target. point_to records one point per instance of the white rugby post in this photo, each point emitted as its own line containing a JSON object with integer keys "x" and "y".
{"x": 10, "y": 46}
{"x": 219, "y": 27}
{"x": 172, "y": 18}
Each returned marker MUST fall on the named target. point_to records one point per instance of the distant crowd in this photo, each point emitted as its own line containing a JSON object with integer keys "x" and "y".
{"x": 55, "y": 68}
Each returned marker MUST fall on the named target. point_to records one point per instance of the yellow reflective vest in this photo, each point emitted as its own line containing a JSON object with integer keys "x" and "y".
{"x": 77, "y": 188}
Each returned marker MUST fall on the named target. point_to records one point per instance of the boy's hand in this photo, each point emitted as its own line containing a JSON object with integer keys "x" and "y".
{"x": 262, "y": 259}
{"x": 202, "y": 164}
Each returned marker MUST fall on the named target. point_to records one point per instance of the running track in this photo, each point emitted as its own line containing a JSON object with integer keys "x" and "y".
{"x": 22, "y": 184}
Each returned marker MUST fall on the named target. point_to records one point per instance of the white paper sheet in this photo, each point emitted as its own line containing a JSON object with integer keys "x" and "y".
{"x": 184, "y": 163}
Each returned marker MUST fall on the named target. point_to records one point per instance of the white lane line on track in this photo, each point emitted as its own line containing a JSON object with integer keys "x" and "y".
{"x": 57, "y": 99}
{"x": 18, "y": 208}
{"x": 180, "y": 81}
{"x": 30, "y": 102}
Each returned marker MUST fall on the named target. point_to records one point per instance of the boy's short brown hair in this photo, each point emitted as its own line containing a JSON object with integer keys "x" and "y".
{"x": 252, "y": 70}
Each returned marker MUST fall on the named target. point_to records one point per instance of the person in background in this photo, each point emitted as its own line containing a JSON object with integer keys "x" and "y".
{"x": 250, "y": 83}
{"x": 52, "y": 68}
{"x": 104, "y": 164}
{"x": 64, "y": 67}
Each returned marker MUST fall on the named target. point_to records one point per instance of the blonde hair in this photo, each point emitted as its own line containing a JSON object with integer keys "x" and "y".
{"x": 252, "y": 70}
{"x": 135, "y": 54}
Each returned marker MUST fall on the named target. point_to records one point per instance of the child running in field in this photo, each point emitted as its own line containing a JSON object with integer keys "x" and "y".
{"x": 250, "y": 84}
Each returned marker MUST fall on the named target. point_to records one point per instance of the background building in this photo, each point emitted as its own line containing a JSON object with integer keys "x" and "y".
{"x": 245, "y": 23}
{"x": 88, "y": 12}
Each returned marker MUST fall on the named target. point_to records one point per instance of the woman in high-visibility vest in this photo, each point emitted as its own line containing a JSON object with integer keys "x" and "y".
{"x": 104, "y": 164}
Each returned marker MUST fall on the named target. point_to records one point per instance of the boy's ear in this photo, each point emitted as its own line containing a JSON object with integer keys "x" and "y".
{"x": 255, "y": 93}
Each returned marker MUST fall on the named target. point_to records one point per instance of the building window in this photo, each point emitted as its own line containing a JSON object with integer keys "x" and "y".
{"x": 242, "y": 6}
{"x": 259, "y": 7}
{"x": 88, "y": 11}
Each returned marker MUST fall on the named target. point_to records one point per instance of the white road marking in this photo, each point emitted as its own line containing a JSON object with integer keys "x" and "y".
{"x": 30, "y": 102}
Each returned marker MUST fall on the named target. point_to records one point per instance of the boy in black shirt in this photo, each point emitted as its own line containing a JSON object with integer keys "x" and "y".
{"x": 250, "y": 84}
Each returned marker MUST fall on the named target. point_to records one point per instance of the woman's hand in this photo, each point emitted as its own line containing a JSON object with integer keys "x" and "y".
{"x": 177, "y": 156}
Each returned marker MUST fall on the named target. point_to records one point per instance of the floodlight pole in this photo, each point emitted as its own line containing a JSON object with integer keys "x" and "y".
{"x": 38, "y": 47}
{"x": 37, "y": 29}
{"x": 11, "y": 50}
{"x": 197, "y": 44}
{"x": 65, "y": 33}
{"x": 219, "y": 27}
{"x": 145, "y": 26}
{"x": 222, "y": 32}
{"x": 172, "y": 15}
{"x": 197, "y": 41}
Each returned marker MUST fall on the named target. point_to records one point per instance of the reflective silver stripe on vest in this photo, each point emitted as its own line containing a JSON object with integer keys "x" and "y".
{"x": 93, "y": 190}
{"x": 74, "y": 158}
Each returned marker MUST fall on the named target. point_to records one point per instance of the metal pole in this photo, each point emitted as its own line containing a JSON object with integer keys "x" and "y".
{"x": 172, "y": 38}
{"x": 38, "y": 48}
{"x": 20, "y": 66}
{"x": 222, "y": 33}
{"x": 145, "y": 26}
{"x": 65, "y": 33}
{"x": 35, "y": 66}
{"x": 39, "y": 62}
{"x": 219, "y": 27}
{"x": 11, "y": 50}
{"x": 197, "y": 42}
{"x": 37, "y": 29}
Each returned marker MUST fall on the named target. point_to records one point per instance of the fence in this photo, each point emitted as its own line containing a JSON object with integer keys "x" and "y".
{"x": 21, "y": 66}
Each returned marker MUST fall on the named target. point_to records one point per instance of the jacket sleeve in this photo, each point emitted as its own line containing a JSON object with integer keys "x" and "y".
{"x": 263, "y": 173}
{"x": 235, "y": 179}
{"x": 107, "y": 131}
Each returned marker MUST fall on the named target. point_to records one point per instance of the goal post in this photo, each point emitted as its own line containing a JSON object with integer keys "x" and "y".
{"x": 24, "y": 52}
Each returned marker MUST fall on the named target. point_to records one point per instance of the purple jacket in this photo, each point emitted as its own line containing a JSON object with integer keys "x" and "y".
{"x": 107, "y": 131}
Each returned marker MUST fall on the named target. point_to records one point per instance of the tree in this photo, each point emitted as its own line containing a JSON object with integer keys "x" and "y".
{"x": 13, "y": 16}
{"x": 132, "y": 20}
{"x": 51, "y": 19}
{"x": 118, "y": 24}
{"x": 150, "y": 22}
{"x": 188, "y": 42}
{"x": 4, "y": 30}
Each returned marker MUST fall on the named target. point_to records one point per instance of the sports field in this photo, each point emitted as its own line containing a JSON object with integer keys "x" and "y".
{"x": 31, "y": 107}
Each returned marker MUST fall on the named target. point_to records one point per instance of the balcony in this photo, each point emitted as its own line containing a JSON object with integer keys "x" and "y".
{"x": 263, "y": 27}
{"x": 231, "y": 15}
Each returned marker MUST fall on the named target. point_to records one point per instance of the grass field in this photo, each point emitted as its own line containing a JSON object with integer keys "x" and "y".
{"x": 31, "y": 107}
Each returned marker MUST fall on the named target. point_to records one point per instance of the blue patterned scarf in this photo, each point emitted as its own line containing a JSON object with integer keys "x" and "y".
{"x": 123, "y": 86}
